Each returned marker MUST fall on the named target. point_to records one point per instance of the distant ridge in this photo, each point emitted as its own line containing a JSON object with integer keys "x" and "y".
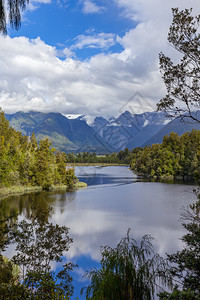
{"x": 102, "y": 136}
{"x": 177, "y": 125}
{"x": 69, "y": 135}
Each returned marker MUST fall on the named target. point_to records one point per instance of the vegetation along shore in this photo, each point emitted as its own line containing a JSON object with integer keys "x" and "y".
{"x": 26, "y": 166}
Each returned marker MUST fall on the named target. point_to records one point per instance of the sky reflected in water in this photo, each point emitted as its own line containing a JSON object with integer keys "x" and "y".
{"x": 101, "y": 214}
{"x": 114, "y": 201}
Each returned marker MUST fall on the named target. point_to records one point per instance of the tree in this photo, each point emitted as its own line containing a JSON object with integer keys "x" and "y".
{"x": 38, "y": 244}
{"x": 186, "y": 263}
{"x": 43, "y": 171}
{"x": 14, "y": 8}
{"x": 129, "y": 271}
{"x": 182, "y": 79}
{"x": 70, "y": 178}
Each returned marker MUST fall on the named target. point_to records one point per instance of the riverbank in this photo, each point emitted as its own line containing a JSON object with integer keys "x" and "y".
{"x": 22, "y": 190}
{"x": 166, "y": 178}
{"x": 96, "y": 164}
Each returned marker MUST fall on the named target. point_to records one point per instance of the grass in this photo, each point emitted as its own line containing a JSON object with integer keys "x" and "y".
{"x": 80, "y": 184}
{"x": 22, "y": 190}
{"x": 18, "y": 190}
{"x": 77, "y": 185}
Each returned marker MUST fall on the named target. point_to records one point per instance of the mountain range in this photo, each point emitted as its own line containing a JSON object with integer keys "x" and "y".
{"x": 103, "y": 135}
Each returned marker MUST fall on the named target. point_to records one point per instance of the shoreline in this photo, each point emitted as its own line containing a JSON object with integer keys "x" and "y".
{"x": 96, "y": 164}
{"x": 23, "y": 190}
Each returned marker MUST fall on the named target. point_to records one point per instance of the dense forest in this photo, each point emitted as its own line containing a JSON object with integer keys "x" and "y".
{"x": 177, "y": 157}
{"x": 122, "y": 157}
{"x": 24, "y": 162}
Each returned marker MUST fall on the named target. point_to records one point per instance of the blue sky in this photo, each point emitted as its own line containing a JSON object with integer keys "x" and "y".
{"x": 65, "y": 24}
{"x": 87, "y": 56}
{"x": 87, "y": 27}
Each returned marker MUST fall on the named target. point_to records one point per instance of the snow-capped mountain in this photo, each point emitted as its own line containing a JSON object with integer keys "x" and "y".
{"x": 128, "y": 130}
{"x": 77, "y": 133}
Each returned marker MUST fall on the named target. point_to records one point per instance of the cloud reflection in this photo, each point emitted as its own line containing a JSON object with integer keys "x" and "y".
{"x": 101, "y": 216}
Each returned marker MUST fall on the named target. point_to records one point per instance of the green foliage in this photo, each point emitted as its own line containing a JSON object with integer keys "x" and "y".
{"x": 177, "y": 157}
{"x": 14, "y": 291}
{"x": 38, "y": 244}
{"x": 43, "y": 169}
{"x": 123, "y": 157}
{"x": 186, "y": 263}
{"x": 24, "y": 162}
{"x": 46, "y": 285}
{"x": 179, "y": 295}
{"x": 70, "y": 177}
{"x": 129, "y": 271}
{"x": 182, "y": 80}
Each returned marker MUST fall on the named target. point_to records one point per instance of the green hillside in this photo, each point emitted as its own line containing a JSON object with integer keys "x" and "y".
{"x": 66, "y": 135}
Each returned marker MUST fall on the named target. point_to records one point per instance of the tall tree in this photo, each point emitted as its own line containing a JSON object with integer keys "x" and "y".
{"x": 43, "y": 171}
{"x": 182, "y": 79}
{"x": 186, "y": 263}
{"x": 38, "y": 244}
{"x": 130, "y": 271}
{"x": 14, "y": 8}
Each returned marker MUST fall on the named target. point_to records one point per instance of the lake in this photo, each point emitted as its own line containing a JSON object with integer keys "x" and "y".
{"x": 101, "y": 214}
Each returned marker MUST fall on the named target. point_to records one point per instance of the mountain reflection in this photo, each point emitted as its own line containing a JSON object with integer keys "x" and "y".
{"x": 101, "y": 214}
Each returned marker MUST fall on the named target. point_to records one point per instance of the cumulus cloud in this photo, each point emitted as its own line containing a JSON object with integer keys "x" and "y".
{"x": 35, "y": 4}
{"x": 144, "y": 10}
{"x": 32, "y": 76}
{"x": 90, "y": 7}
{"x": 99, "y": 41}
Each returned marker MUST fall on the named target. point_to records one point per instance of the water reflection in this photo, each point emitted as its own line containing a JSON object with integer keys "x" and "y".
{"x": 114, "y": 201}
{"x": 95, "y": 176}
{"x": 61, "y": 200}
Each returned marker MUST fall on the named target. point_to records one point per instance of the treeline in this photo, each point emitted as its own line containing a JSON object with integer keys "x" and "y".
{"x": 123, "y": 157}
{"x": 24, "y": 162}
{"x": 177, "y": 157}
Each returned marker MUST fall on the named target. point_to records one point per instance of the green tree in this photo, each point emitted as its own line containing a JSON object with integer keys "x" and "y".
{"x": 61, "y": 167}
{"x": 129, "y": 271}
{"x": 177, "y": 157}
{"x": 70, "y": 178}
{"x": 43, "y": 171}
{"x": 38, "y": 244}
{"x": 186, "y": 263}
{"x": 182, "y": 80}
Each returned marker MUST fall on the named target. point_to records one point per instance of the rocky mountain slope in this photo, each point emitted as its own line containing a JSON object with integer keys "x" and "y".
{"x": 103, "y": 135}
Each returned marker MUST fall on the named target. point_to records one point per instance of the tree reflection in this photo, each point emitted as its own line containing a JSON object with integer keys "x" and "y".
{"x": 38, "y": 243}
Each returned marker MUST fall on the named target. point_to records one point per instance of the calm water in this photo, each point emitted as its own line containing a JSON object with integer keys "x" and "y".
{"x": 114, "y": 201}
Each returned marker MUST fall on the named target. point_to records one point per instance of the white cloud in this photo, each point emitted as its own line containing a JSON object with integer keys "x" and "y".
{"x": 90, "y": 7}
{"x": 33, "y": 77}
{"x": 34, "y": 4}
{"x": 143, "y": 10}
{"x": 100, "y": 41}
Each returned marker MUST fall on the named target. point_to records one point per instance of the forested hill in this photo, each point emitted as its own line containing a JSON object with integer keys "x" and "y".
{"x": 24, "y": 162}
{"x": 175, "y": 157}
{"x": 68, "y": 135}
